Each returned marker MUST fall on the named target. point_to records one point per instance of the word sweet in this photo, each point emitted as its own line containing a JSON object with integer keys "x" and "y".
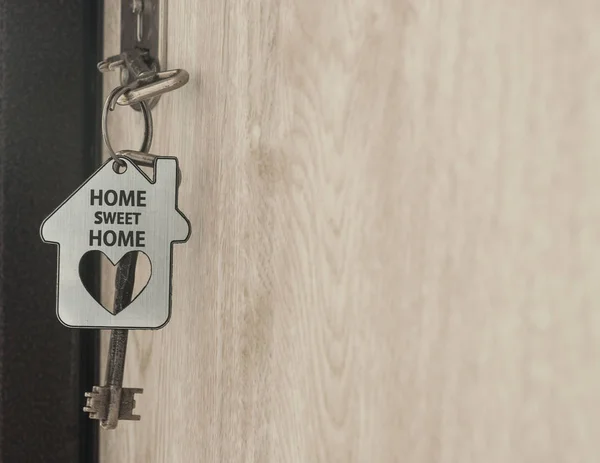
{"x": 120, "y": 218}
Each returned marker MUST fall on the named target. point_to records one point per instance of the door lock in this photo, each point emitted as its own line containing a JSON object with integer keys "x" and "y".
{"x": 143, "y": 50}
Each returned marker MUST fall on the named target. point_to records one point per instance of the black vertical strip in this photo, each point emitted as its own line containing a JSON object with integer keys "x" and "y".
{"x": 49, "y": 92}
{"x": 93, "y": 37}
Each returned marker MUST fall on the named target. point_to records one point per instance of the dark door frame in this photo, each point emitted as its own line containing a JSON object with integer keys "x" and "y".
{"x": 49, "y": 100}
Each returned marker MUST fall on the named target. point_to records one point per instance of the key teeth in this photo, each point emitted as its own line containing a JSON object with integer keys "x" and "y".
{"x": 96, "y": 403}
{"x": 128, "y": 404}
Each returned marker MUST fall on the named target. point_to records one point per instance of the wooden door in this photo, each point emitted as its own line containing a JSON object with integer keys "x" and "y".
{"x": 395, "y": 209}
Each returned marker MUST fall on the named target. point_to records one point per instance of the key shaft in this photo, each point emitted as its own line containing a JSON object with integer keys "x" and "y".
{"x": 115, "y": 365}
{"x": 112, "y": 402}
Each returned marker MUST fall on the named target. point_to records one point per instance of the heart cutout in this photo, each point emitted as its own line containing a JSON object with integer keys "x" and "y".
{"x": 115, "y": 276}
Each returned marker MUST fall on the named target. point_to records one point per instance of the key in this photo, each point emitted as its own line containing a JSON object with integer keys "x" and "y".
{"x": 113, "y": 402}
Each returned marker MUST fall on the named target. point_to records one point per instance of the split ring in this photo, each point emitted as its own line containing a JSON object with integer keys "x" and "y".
{"x": 109, "y": 105}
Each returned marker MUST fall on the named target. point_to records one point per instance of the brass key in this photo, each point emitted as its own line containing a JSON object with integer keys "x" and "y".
{"x": 113, "y": 402}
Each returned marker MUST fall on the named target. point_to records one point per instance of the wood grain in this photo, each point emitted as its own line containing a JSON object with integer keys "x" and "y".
{"x": 394, "y": 258}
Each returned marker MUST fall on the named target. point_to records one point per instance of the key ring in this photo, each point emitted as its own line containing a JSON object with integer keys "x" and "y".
{"x": 163, "y": 82}
{"x": 109, "y": 105}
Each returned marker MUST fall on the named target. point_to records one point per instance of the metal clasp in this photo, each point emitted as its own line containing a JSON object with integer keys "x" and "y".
{"x": 135, "y": 63}
{"x": 137, "y": 67}
{"x": 140, "y": 76}
{"x": 162, "y": 82}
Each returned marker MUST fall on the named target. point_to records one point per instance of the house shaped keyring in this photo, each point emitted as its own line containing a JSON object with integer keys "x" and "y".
{"x": 118, "y": 210}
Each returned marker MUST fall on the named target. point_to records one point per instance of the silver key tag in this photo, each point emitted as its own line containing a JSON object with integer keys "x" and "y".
{"x": 117, "y": 211}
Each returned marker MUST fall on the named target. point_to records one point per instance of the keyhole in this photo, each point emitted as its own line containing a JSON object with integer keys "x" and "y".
{"x": 137, "y": 6}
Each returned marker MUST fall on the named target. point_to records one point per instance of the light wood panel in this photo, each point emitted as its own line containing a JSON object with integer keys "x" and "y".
{"x": 396, "y": 211}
